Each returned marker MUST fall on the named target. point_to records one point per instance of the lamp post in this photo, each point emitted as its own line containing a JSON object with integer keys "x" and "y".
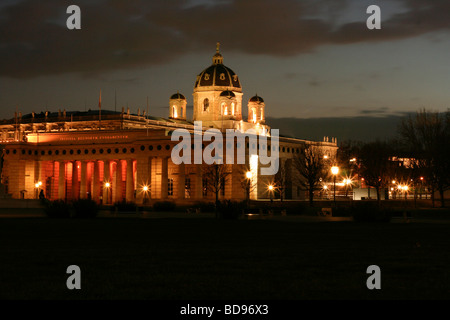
{"x": 334, "y": 171}
{"x": 37, "y": 190}
{"x": 107, "y": 185}
{"x": 421, "y": 187}
{"x": 271, "y": 192}
{"x": 145, "y": 189}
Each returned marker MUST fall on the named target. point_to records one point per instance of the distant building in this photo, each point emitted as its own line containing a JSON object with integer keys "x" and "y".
{"x": 113, "y": 156}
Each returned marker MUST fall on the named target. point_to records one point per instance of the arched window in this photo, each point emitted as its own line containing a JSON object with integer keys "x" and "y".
{"x": 174, "y": 113}
{"x": 262, "y": 114}
{"x": 254, "y": 115}
{"x": 224, "y": 109}
{"x": 232, "y": 109}
{"x": 205, "y": 104}
{"x": 181, "y": 112}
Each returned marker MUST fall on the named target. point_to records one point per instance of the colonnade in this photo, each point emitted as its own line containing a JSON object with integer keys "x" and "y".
{"x": 109, "y": 181}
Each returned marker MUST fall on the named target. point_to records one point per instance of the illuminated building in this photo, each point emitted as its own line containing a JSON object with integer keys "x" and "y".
{"x": 113, "y": 156}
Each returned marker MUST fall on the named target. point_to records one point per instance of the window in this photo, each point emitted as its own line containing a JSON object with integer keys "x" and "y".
{"x": 205, "y": 187}
{"x": 262, "y": 114}
{"x": 205, "y": 104}
{"x": 174, "y": 112}
{"x": 170, "y": 187}
{"x": 232, "y": 109}
{"x": 187, "y": 188}
{"x": 224, "y": 109}
{"x": 254, "y": 115}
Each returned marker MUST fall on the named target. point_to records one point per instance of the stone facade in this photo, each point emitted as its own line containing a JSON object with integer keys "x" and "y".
{"x": 117, "y": 156}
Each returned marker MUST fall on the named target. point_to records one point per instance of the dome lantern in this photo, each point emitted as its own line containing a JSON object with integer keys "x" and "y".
{"x": 177, "y": 106}
{"x": 217, "y": 58}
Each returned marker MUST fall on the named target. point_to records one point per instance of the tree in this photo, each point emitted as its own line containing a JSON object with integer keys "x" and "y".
{"x": 312, "y": 167}
{"x": 375, "y": 165}
{"x": 248, "y": 184}
{"x": 216, "y": 176}
{"x": 280, "y": 180}
{"x": 426, "y": 137}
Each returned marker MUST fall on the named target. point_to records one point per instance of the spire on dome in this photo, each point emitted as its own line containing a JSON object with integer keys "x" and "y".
{"x": 217, "y": 58}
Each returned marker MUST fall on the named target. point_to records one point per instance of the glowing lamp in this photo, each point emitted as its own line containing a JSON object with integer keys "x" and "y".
{"x": 334, "y": 170}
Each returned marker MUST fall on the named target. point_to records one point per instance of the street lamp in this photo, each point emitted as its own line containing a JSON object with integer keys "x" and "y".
{"x": 334, "y": 171}
{"x": 107, "y": 185}
{"x": 37, "y": 189}
{"x": 421, "y": 187}
{"x": 145, "y": 189}
{"x": 271, "y": 192}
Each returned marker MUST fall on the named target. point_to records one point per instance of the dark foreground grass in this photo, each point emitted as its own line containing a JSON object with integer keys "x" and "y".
{"x": 216, "y": 259}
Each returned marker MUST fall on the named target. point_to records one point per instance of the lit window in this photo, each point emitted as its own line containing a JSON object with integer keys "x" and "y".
{"x": 170, "y": 187}
{"x": 225, "y": 109}
{"x": 262, "y": 114}
{"x": 175, "y": 115}
{"x": 232, "y": 109}
{"x": 205, "y": 187}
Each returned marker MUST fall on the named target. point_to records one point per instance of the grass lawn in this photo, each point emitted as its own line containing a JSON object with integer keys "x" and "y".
{"x": 218, "y": 259}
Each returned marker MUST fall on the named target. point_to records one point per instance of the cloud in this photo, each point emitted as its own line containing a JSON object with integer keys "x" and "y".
{"x": 115, "y": 34}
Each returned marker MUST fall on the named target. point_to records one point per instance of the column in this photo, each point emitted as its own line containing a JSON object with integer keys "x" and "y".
{"x": 96, "y": 182}
{"x": 61, "y": 180}
{"x": 181, "y": 181}
{"x": 130, "y": 182}
{"x": 75, "y": 184}
{"x": 151, "y": 185}
{"x": 83, "y": 185}
{"x": 118, "y": 182}
{"x": 164, "y": 177}
{"x": 198, "y": 181}
{"x": 106, "y": 179}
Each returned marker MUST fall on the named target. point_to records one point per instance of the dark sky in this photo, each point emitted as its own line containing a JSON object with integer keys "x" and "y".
{"x": 313, "y": 61}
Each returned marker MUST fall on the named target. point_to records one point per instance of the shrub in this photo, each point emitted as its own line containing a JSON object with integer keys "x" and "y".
{"x": 228, "y": 209}
{"x": 56, "y": 209}
{"x": 342, "y": 212}
{"x": 85, "y": 208}
{"x": 370, "y": 212}
{"x": 206, "y": 206}
{"x": 124, "y": 206}
{"x": 164, "y": 206}
{"x": 298, "y": 208}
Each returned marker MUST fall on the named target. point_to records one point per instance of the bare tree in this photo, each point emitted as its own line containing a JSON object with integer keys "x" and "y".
{"x": 248, "y": 184}
{"x": 374, "y": 164}
{"x": 216, "y": 176}
{"x": 280, "y": 181}
{"x": 426, "y": 136}
{"x": 312, "y": 167}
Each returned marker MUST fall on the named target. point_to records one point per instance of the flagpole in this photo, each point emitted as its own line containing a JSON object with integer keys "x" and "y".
{"x": 100, "y": 110}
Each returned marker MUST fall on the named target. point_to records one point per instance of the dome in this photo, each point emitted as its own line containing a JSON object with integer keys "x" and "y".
{"x": 256, "y": 99}
{"x": 177, "y": 96}
{"x": 218, "y": 74}
{"x": 228, "y": 94}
